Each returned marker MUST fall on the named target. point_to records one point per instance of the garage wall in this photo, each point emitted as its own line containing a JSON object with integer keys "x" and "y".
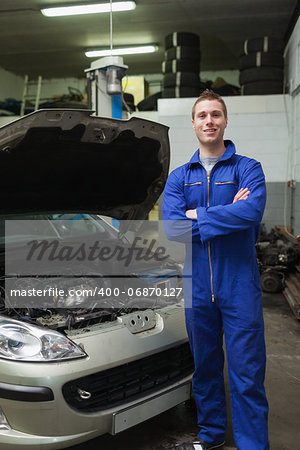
{"x": 230, "y": 76}
{"x": 258, "y": 127}
{"x": 60, "y": 86}
{"x": 293, "y": 78}
{"x": 10, "y": 85}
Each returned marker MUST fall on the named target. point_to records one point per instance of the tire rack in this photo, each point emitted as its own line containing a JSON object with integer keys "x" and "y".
{"x": 181, "y": 66}
{"x": 261, "y": 66}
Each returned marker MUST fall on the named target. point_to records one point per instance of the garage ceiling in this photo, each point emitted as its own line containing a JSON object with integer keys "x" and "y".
{"x": 54, "y": 47}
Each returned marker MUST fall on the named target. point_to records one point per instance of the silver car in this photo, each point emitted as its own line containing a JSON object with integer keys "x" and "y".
{"x": 75, "y": 370}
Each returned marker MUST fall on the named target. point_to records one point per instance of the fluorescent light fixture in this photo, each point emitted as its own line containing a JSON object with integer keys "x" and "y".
{"x": 88, "y": 9}
{"x": 122, "y": 51}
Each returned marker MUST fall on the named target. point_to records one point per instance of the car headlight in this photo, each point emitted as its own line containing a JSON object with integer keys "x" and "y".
{"x": 24, "y": 342}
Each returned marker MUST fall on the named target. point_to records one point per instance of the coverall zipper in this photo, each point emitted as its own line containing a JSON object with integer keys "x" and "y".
{"x": 208, "y": 243}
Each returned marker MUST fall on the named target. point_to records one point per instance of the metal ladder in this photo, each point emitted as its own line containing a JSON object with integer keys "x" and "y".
{"x": 26, "y": 96}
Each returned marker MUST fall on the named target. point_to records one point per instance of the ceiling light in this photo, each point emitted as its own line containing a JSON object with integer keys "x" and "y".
{"x": 122, "y": 51}
{"x": 88, "y": 9}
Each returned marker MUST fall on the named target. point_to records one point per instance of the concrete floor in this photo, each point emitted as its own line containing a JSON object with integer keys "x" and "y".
{"x": 282, "y": 385}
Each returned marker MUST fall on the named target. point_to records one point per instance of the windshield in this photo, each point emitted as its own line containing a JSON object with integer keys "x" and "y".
{"x": 27, "y": 227}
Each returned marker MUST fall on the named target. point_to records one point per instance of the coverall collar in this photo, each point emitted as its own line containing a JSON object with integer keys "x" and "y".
{"x": 229, "y": 152}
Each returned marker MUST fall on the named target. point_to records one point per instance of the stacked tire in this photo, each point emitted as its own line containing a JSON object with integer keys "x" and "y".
{"x": 261, "y": 66}
{"x": 181, "y": 67}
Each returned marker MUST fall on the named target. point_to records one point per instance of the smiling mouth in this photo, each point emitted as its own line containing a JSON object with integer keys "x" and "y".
{"x": 210, "y": 130}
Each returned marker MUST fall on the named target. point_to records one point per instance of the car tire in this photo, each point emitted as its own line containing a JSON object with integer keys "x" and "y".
{"x": 181, "y": 79}
{"x": 263, "y": 44}
{"x": 261, "y": 74}
{"x": 260, "y": 59}
{"x": 271, "y": 282}
{"x": 181, "y": 91}
{"x": 262, "y": 88}
{"x": 149, "y": 103}
{"x": 180, "y": 65}
{"x": 182, "y": 39}
{"x": 183, "y": 52}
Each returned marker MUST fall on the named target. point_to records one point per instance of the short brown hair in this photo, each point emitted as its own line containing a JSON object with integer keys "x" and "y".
{"x": 208, "y": 94}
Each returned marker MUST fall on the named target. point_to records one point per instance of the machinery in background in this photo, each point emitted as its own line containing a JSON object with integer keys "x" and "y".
{"x": 278, "y": 257}
{"x": 104, "y": 79}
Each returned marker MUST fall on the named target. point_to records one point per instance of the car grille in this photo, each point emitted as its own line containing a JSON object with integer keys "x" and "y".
{"x": 130, "y": 381}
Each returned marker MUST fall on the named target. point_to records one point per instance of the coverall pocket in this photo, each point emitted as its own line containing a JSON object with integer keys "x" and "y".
{"x": 224, "y": 192}
{"x": 194, "y": 194}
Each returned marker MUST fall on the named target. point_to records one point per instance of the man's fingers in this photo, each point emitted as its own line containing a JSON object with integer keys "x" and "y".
{"x": 243, "y": 190}
{"x": 244, "y": 197}
{"x": 242, "y": 194}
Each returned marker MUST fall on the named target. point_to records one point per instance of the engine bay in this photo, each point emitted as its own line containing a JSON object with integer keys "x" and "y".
{"x": 113, "y": 299}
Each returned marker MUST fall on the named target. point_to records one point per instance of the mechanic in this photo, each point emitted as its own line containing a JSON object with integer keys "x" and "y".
{"x": 220, "y": 196}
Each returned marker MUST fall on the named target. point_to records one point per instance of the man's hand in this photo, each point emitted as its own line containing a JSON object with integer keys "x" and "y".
{"x": 242, "y": 194}
{"x": 191, "y": 214}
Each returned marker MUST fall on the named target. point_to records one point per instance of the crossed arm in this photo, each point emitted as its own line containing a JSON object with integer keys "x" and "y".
{"x": 242, "y": 194}
{"x": 210, "y": 222}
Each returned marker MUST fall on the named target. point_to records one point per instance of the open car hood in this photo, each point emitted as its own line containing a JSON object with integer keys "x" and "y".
{"x": 71, "y": 161}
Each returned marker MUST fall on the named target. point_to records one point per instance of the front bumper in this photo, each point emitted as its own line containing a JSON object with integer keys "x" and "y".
{"x": 54, "y": 424}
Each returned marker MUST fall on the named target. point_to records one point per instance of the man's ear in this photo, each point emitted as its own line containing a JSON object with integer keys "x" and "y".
{"x": 193, "y": 123}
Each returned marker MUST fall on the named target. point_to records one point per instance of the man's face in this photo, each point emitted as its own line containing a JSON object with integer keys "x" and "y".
{"x": 209, "y": 122}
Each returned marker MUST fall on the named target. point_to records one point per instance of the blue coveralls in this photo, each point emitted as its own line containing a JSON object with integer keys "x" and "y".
{"x": 226, "y": 294}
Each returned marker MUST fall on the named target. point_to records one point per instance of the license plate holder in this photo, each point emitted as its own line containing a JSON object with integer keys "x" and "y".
{"x": 128, "y": 417}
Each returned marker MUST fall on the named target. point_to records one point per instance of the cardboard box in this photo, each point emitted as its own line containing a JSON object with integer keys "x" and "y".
{"x": 137, "y": 86}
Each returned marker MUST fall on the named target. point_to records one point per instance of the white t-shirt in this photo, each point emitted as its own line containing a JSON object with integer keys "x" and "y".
{"x": 209, "y": 162}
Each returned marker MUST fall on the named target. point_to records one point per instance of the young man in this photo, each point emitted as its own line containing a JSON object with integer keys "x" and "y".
{"x": 222, "y": 196}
